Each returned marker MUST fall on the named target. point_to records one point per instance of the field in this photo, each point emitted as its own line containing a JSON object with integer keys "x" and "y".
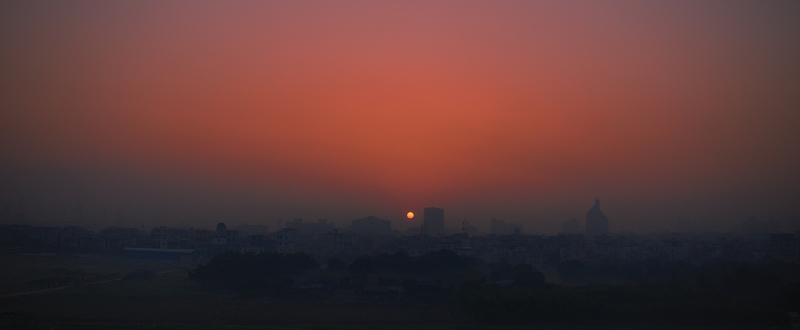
{"x": 17, "y": 270}
{"x": 169, "y": 301}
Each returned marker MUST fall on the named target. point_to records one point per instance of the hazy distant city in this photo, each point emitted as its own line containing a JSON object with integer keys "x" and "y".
{"x": 586, "y": 240}
{"x": 399, "y": 165}
{"x": 436, "y": 268}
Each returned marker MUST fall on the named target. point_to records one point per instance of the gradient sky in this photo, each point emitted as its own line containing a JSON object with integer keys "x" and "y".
{"x": 678, "y": 115}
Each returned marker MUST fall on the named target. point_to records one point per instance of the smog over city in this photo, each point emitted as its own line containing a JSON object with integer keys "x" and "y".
{"x": 452, "y": 164}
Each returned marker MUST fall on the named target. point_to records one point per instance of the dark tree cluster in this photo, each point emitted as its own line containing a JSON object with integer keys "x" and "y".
{"x": 253, "y": 274}
{"x": 722, "y": 293}
{"x": 644, "y": 292}
{"x": 402, "y": 263}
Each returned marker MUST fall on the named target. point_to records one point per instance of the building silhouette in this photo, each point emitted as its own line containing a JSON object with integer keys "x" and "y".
{"x": 286, "y": 240}
{"x": 433, "y": 222}
{"x": 372, "y": 226}
{"x": 596, "y": 221}
{"x": 310, "y": 228}
{"x": 500, "y": 227}
{"x": 224, "y": 239}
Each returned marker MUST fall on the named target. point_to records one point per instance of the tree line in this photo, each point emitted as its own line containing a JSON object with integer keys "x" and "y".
{"x": 654, "y": 291}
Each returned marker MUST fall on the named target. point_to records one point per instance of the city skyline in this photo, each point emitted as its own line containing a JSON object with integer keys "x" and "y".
{"x": 434, "y": 164}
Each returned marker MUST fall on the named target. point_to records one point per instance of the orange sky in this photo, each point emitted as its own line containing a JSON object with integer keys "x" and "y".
{"x": 256, "y": 111}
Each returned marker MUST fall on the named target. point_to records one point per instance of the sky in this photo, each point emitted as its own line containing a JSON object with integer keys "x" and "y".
{"x": 677, "y": 115}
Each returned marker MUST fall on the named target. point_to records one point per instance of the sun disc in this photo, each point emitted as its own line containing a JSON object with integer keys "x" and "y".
{"x": 410, "y": 215}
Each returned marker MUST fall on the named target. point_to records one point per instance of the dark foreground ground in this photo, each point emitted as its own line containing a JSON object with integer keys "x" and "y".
{"x": 166, "y": 300}
{"x": 155, "y": 305}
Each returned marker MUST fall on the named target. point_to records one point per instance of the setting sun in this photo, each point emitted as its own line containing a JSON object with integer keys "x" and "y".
{"x": 410, "y": 215}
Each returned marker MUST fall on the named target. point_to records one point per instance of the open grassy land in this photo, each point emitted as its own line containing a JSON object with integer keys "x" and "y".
{"x": 171, "y": 326}
{"x": 16, "y": 271}
{"x": 168, "y": 301}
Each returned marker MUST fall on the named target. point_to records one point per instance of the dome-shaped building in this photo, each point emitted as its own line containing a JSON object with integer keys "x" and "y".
{"x": 596, "y": 221}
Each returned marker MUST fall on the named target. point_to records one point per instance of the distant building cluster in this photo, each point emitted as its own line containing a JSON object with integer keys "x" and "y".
{"x": 373, "y": 236}
{"x": 500, "y": 227}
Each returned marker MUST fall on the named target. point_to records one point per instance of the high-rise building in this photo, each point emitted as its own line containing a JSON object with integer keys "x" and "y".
{"x": 433, "y": 222}
{"x": 596, "y": 221}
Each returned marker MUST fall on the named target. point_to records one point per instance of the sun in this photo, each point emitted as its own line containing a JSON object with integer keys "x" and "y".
{"x": 410, "y": 215}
